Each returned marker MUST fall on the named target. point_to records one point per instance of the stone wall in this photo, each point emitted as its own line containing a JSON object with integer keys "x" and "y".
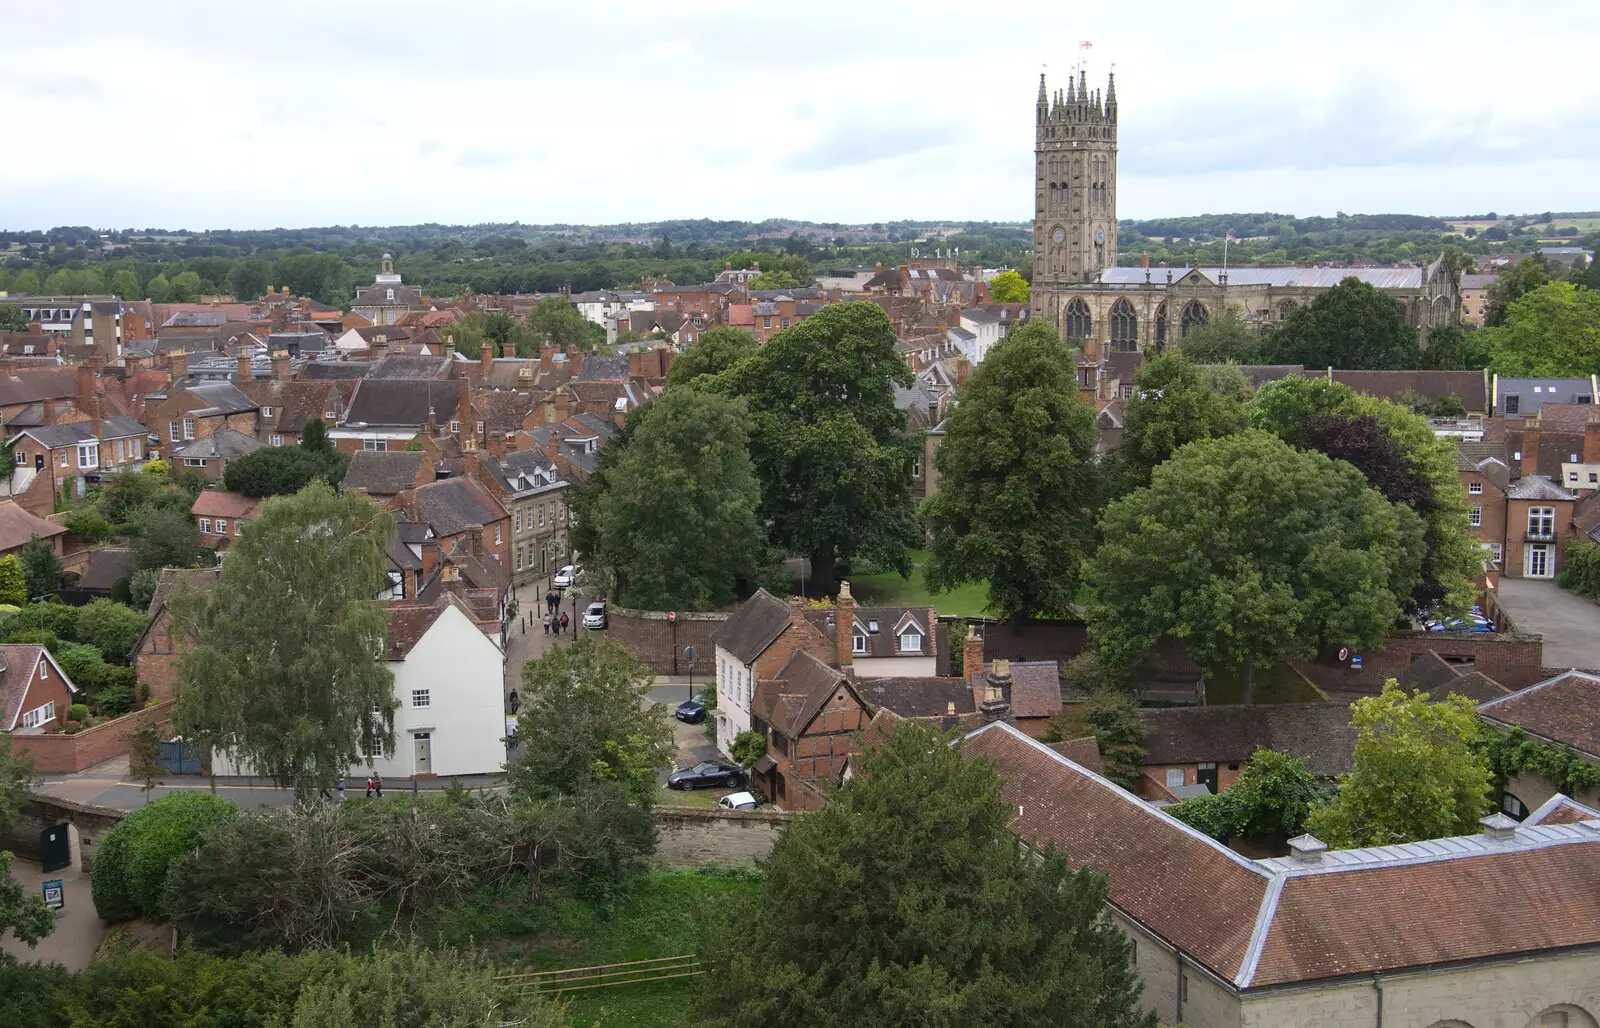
{"x": 690, "y": 836}
{"x": 1513, "y": 660}
{"x": 60, "y": 754}
{"x": 91, "y": 820}
{"x": 659, "y": 643}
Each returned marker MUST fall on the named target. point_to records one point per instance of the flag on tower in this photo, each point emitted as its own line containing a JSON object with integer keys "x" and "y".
{"x": 1232, "y": 239}
{"x": 1085, "y": 45}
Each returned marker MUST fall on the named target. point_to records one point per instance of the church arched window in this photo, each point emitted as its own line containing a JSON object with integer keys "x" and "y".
{"x": 1194, "y": 315}
{"x": 1124, "y": 326}
{"x": 1079, "y": 323}
{"x": 1052, "y": 192}
{"x": 1285, "y": 307}
{"x": 1161, "y": 327}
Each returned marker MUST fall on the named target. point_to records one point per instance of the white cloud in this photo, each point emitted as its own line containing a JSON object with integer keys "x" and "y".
{"x": 311, "y": 112}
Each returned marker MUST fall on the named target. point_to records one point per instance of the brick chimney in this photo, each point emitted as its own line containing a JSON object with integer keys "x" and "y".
{"x": 574, "y": 360}
{"x": 475, "y": 540}
{"x": 244, "y": 374}
{"x": 508, "y": 349}
{"x": 464, "y": 412}
{"x": 972, "y": 653}
{"x": 546, "y": 353}
{"x": 636, "y": 364}
{"x": 177, "y": 366}
{"x": 535, "y": 418}
{"x": 995, "y": 705}
{"x": 667, "y": 354}
{"x": 486, "y": 359}
{"x": 563, "y": 405}
{"x": 797, "y": 611}
{"x": 280, "y": 365}
{"x": 497, "y": 444}
{"x": 844, "y": 623}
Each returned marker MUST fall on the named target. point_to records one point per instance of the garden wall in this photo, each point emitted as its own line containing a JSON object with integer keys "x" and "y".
{"x": 1512, "y": 659}
{"x": 60, "y": 754}
{"x": 659, "y": 643}
{"x": 690, "y": 837}
{"x": 91, "y": 820}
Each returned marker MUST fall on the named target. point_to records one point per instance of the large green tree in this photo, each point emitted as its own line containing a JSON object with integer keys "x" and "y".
{"x": 555, "y": 322}
{"x": 1416, "y": 773}
{"x": 1248, "y": 551}
{"x": 713, "y": 353}
{"x": 248, "y": 279}
{"x": 282, "y": 470}
{"x": 1401, "y": 457}
{"x": 167, "y": 538}
{"x": 1551, "y": 331}
{"x": 586, "y": 716}
{"x": 111, "y": 627}
{"x": 41, "y": 568}
{"x": 907, "y": 901}
{"x": 1354, "y": 325}
{"x": 282, "y": 671}
{"x": 22, "y": 912}
{"x": 1173, "y": 404}
{"x": 1511, "y": 285}
{"x": 12, "y": 319}
{"x": 1017, "y": 482}
{"x": 1009, "y": 287}
{"x": 674, "y": 520}
{"x": 1270, "y": 800}
{"x": 1222, "y": 339}
{"x": 829, "y": 444}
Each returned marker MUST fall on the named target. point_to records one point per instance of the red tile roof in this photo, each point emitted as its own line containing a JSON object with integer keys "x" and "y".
{"x": 17, "y": 526}
{"x": 215, "y": 503}
{"x": 1564, "y": 709}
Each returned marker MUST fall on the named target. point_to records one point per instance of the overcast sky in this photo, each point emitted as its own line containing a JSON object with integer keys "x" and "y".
{"x": 136, "y": 113}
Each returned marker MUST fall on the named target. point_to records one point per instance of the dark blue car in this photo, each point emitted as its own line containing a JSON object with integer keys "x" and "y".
{"x": 690, "y": 712}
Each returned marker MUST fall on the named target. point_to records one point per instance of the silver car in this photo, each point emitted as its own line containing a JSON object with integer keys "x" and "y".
{"x": 594, "y": 616}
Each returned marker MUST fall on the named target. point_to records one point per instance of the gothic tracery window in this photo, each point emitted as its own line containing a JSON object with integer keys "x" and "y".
{"x": 1284, "y": 309}
{"x": 1161, "y": 327}
{"x": 1079, "y": 323}
{"x": 1124, "y": 326}
{"x": 1194, "y": 315}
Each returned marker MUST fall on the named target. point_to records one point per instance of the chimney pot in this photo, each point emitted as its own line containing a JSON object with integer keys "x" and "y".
{"x": 845, "y": 625}
{"x": 950, "y": 708}
{"x": 1499, "y": 827}
{"x": 1307, "y": 849}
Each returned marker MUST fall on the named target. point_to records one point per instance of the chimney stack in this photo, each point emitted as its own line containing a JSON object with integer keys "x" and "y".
{"x": 1307, "y": 849}
{"x": 508, "y": 349}
{"x": 844, "y": 621}
{"x": 486, "y": 358}
{"x": 245, "y": 373}
{"x": 464, "y": 412}
{"x": 972, "y": 653}
{"x": 280, "y": 365}
{"x": 995, "y": 705}
{"x": 433, "y": 425}
{"x": 563, "y": 407}
{"x": 475, "y": 540}
{"x": 797, "y": 611}
{"x": 546, "y": 353}
{"x": 177, "y": 366}
{"x": 636, "y": 364}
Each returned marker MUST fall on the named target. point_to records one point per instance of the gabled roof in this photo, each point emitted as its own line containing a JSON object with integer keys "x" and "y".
{"x": 217, "y": 503}
{"x": 106, "y": 566}
{"x": 220, "y": 398}
{"x": 1437, "y": 677}
{"x": 1564, "y": 709}
{"x": 1537, "y": 487}
{"x": 1319, "y": 732}
{"x": 884, "y": 639}
{"x": 1561, "y": 809}
{"x": 803, "y": 687}
{"x": 74, "y": 432}
{"x": 1472, "y": 387}
{"x": 383, "y": 473}
{"x": 17, "y": 664}
{"x": 403, "y": 402}
{"x": 918, "y": 697}
{"x": 225, "y": 443}
{"x": 454, "y": 505}
{"x": 410, "y": 366}
{"x": 17, "y": 526}
{"x": 751, "y": 629}
{"x": 408, "y": 623}
{"x": 1283, "y": 921}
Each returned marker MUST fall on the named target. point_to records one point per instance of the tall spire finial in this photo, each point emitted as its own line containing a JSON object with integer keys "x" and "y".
{"x": 1111, "y": 87}
{"x": 1042, "y": 96}
{"x": 1071, "y": 96}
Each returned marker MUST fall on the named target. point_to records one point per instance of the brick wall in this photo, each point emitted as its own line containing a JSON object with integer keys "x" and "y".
{"x": 689, "y": 836}
{"x": 1515, "y": 661}
{"x": 655, "y": 641}
{"x": 156, "y": 663}
{"x": 91, "y": 820}
{"x": 58, "y": 753}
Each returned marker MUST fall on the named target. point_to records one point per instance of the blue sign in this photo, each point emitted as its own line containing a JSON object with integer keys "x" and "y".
{"x": 55, "y": 897}
{"x": 1355, "y": 661}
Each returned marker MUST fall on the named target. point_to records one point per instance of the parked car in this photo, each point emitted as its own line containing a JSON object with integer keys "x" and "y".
{"x": 739, "y": 801}
{"x": 566, "y": 578}
{"x": 1472, "y": 622}
{"x": 690, "y": 712}
{"x": 707, "y": 774}
{"x": 595, "y": 616}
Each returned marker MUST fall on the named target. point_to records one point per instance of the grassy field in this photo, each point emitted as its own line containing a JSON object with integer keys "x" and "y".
{"x": 1277, "y": 684}
{"x": 657, "y": 918}
{"x": 890, "y": 590}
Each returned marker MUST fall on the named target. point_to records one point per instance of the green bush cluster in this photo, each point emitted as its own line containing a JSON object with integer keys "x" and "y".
{"x": 129, "y": 876}
{"x": 1580, "y": 571}
{"x": 93, "y": 644}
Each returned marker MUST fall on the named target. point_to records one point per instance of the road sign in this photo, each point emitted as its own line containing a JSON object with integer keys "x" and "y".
{"x": 1355, "y": 661}
{"x": 672, "y": 616}
{"x": 55, "y": 896}
{"x": 689, "y": 654}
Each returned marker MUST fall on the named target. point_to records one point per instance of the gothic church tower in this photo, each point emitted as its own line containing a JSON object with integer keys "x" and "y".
{"x": 1075, "y": 187}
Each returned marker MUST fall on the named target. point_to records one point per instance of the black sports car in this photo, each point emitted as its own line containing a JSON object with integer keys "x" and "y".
{"x": 707, "y": 774}
{"x": 691, "y": 712}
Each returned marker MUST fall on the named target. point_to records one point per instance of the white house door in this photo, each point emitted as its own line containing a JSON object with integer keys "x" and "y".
{"x": 423, "y": 742}
{"x": 1538, "y": 561}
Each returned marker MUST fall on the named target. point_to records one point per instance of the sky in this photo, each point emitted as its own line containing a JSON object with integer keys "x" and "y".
{"x": 153, "y": 113}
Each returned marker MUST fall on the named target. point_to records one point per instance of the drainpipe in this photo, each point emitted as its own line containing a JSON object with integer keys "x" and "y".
{"x": 1179, "y": 990}
{"x": 1377, "y": 986}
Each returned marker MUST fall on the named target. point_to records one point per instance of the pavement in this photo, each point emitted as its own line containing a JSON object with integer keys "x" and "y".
{"x": 1569, "y": 623}
{"x": 78, "y": 931}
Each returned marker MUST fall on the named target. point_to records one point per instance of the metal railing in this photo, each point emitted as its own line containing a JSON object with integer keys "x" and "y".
{"x": 602, "y": 976}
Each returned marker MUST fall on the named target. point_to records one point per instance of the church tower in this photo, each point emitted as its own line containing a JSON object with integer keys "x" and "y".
{"x": 1075, "y": 191}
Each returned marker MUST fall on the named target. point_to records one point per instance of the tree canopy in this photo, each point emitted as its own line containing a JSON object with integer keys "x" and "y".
{"x": 1269, "y": 800}
{"x": 1009, "y": 287}
{"x": 1416, "y": 773}
{"x": 282, "y": 672}
{"x": 283, "y": 470}
{"x": 1222, "y": 339}
{"x": 1354, "y": 325}
{"x": 907, "y": 901}
{"x": 555, "y": 322}
{"x": 1172, "y": 405}
{"x": 829, "y": 444}
{"x": 1510, "y": 285}
{"x": 1552, "y": 331}
{"x": 41, "y": 568}
{"x": 674, "y": 518}
{"x": 713, "y": 353}
{"x": 1017, "y": 482}
{"x": 22, "y": 912}
{"x": 1248, "y": 550}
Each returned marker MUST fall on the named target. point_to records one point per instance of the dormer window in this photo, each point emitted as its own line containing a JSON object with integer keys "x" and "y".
{"x": 911, "y": 641}
{"x": 858, "y": 643}
{"x": 391, "y": 295}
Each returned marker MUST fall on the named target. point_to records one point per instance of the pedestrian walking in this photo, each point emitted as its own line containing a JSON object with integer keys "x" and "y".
{"x": 377, "y": 785}
{"x": 340, "y": 797}
{"x": 370, "y": 786}
{"x": 564, "y": 622}
{"x": 545, "y": 620}
{"x": 550, "y": 601}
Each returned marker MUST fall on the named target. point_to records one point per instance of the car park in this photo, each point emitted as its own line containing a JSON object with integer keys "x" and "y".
{"x": 708, "y": 774}
{"x": 1474, "y": 621}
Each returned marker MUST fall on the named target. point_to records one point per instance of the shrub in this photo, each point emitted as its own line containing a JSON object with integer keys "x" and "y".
{"x": 78, "y": 712}
{"x": 157, "y": 469}
{"x": 88, "y": 523}
{"x": 113, "y": 627}
{"x": 130, "y": 870}
{"x": 1580, "y": 571}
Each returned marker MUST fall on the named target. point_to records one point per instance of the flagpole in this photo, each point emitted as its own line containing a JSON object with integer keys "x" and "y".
{"x": 1225, "y": 238}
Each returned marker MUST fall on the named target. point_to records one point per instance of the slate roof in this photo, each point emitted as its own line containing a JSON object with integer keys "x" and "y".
{"x": 885, "y": 640}
{"x": 752, "y": 628}
{"x": 455, "y": 504}
{"x": 1296, "y": 277}
{"x": 218, "y": 503}
{"x": 220, "y": 398}
{"x": 106, "y": 566}
{"x": 74, "y": 432}
{"x": 224, "y": 443}
{"x": 17, "y": 661}
{"x": 1564, "y": 709}
{"x": 403, "y": 402}
{"x": 313, "y": 370}
{"x": 1437, "y": 677}
{"x": 917, "y": 697}
{"x": 383, "y": 473}
{"x": 1277, "y": 922}
{"x": 1531, "y": 393}
{"x": 601, "y": 368}
{"x": 410, "y": 366}
{"x": 1319, "y": 732}
{"x": 521, "y": 471}
{"x": 17, "y": 526}
{"x": 1471, "y": 386}
{"x": 377, "y": 295}
{"x": 1537, "y": 487}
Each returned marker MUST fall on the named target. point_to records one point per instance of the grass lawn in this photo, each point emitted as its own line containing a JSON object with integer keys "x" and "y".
{"x": 655, "y": 919}
{"x": 890, "y": 590}
{"x": 1277, "y": 684}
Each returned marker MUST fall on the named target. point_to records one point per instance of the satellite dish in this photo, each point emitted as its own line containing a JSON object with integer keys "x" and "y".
{"x": 1344, "y": 653}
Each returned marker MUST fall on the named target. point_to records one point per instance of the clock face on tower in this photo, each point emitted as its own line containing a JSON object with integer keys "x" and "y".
{"x": 1059, "y": 235}
{"x": 1099, "y": 235}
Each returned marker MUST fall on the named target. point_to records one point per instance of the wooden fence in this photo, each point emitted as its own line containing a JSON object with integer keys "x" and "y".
{"x": 602, "y": 976}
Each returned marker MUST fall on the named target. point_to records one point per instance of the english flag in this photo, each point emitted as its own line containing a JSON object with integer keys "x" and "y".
{"x": 1232, "y": 239}
{"x": 1085, "y": 45}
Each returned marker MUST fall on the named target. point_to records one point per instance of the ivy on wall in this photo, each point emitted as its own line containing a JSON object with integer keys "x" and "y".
{"x": 1512, "y": 753}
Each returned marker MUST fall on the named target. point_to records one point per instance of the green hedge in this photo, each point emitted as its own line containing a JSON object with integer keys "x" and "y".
{"x": 129, "y": 875}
